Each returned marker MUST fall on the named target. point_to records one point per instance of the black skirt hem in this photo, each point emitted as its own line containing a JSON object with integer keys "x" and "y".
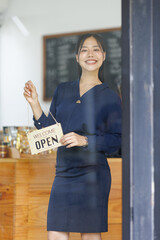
{"x": 76, "y": 231}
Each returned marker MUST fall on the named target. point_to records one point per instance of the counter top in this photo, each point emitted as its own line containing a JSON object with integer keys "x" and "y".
{"x": 26, "y": 182}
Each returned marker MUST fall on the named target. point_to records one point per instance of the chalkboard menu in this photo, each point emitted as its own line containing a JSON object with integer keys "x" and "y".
{"x": 60, "y": 63}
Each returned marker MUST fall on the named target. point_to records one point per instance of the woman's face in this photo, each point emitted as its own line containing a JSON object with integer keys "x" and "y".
{"x": 91, "y": 56}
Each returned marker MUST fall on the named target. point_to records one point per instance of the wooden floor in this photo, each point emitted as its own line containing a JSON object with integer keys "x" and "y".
{"x": 25, "y": 186}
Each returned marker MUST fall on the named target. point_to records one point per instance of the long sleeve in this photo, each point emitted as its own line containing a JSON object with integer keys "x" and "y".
{"x": 45, "y": 121}
{"x": 108, "y": 138}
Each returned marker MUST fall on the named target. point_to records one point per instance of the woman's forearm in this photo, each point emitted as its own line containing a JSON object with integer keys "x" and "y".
{"x": 36, "y": 109}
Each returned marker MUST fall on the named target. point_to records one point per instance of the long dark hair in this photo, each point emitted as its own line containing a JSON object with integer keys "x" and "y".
{"x": 100, "y": 42}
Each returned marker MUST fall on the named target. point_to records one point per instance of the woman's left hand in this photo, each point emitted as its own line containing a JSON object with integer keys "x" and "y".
{"x": 73, "y": 139}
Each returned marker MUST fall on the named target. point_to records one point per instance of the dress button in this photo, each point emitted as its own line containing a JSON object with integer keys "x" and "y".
{"x": 39, "y": 123}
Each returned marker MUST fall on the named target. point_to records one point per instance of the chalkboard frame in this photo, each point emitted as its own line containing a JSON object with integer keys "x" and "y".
{"x": 65, "y": 35}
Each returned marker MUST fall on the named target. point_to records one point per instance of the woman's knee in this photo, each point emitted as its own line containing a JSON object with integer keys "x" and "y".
{"x": 91, "y": 236}
{"x": 54, "y": 235}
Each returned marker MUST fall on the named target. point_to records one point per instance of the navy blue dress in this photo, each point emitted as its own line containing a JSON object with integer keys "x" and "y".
{"x": 80, "y": 191}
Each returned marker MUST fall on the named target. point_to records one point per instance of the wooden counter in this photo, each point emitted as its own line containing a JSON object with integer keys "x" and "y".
{"x": 25, "y": 185}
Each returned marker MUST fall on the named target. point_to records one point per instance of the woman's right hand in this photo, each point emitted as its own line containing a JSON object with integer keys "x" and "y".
{"x": 30, "y": 92}
{"x": 31, "y": 96}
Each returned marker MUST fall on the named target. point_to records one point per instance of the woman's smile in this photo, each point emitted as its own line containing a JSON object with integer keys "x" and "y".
{"x": 91, "y": 61}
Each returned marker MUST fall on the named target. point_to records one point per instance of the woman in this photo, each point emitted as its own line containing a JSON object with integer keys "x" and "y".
{"x": 90, "y": 114}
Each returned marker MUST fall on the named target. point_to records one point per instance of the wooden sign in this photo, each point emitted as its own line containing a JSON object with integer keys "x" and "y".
{"x": 45, "y": 138}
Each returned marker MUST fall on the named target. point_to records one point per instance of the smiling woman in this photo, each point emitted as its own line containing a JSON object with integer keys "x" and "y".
{"x": 90, "y": 57}
{"x": 92, "y": 128}
{"x": 93, "y": 46}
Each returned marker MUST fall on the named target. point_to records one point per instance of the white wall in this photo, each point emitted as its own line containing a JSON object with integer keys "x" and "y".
{"x": 21, "y": 57}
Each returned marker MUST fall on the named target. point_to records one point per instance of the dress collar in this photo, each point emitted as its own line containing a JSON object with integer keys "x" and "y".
{"x": 97, "y": 87}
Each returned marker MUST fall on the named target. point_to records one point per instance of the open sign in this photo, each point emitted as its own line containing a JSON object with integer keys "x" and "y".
{"x": 45, "y": 138}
